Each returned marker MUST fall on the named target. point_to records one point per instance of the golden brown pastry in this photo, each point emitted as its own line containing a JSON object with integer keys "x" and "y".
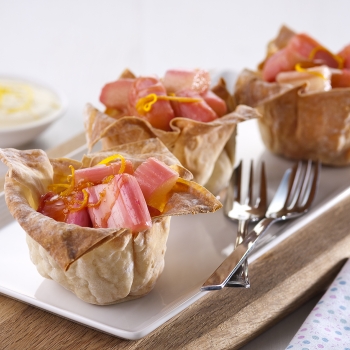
{"x": 100, "y": 265}
{"x": 207, "y": 149}
{"x": 304, "y": 111}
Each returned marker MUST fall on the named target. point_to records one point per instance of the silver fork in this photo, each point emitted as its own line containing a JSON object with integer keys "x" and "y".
{"x": 292, "y": 199}
{"x": 244, "y": 213}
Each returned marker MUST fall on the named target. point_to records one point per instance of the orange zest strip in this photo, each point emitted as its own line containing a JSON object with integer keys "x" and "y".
{"x": 82, "y": 204}
{"x": 107, "y": 160}
{"x": 102, "y": 195}
{"x": 144, "y": 104}
{"x": 54, "y": 187}
{"x": 298, "y": 67}
{"x": 70, "y": 188}
{"x": 337, "y": 58}
{"x": 108, "y": 179}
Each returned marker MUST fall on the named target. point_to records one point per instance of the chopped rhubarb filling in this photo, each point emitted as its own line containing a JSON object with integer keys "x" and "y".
{"x": 156, "y": 179}
{"x": 100, "y": 204}
{"x": 317, "y": 78}
{"x": 111, "y": 194}
{"x": 217, "y": 104}
{"x": 119, "y": 204}
{"x": 159, "y": 114}
{"x": 115, "y": 95}
{"x": 301, "y": 50}
{"x": 53, "y": 206}
{"x": 65, "y": 209}
{"x": 97, "y": 173}
{"x": 341, "y": 79}
{"x": 130, "y": 208}
{"x": 197, "y": 80}
{"x": 298, "y": 50}
{"x": 345, "y": 55}
{"x": 159, "y": 100}
{"x": 199, "y": 111}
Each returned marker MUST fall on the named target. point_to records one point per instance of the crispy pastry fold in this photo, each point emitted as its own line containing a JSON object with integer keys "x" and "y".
{"x": 99, "y": 265}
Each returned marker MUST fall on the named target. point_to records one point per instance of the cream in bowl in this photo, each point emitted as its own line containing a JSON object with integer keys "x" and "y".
{"x": 27, "y": 108}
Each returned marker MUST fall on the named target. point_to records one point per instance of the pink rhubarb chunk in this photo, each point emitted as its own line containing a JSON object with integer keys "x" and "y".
{"x": 97, "y": 173}
{"x": 55, "y": 207}
{"x": 298, "y": 50}
{"x": 80, "y": 217}
{"x": 156, "y": 179}
{"x": 122, "y": 205}
{"x": 217, "y": 104}
{"x": 345, "y": 55}
{"x": 161, "y": 113}
{"x": 341, "y": 79}
{"x": 197, "y": 80}
{"x": 199, "y": 111}
{"x": 115, "y": 95}
{"x": 100, "y": 213}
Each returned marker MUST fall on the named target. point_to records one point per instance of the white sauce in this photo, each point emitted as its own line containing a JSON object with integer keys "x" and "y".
{"x": 22, "y": 102}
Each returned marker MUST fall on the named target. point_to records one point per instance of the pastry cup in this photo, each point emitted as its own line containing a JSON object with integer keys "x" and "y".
{"x": 100, "y": 265}
{"x": 205, "y": 149}
{"x": 295, "y": 123}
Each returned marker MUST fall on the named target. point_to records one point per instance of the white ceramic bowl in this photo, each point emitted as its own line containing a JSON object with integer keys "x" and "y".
{"x": 22, "y": 133}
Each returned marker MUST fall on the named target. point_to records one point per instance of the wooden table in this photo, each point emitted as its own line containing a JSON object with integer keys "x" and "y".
{"x": 225, "y": 319}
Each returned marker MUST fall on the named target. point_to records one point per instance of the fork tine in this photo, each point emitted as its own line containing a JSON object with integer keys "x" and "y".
{"x": 293, "y": 184}
{"x": 262, "y": 200}
{"x": 313, "y": 187}
{"x": 237, "y": 183}
{"x": 250, "y": 185}
{"x": 303, "y": 185}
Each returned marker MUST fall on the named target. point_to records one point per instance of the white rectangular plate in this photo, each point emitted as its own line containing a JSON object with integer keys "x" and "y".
{"x": 196, "y": 246}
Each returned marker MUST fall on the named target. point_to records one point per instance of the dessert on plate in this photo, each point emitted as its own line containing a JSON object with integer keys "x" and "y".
{"x": 302, "y": 91}
{"x": 195, "y": 121}
{"x": 99, "y": 226}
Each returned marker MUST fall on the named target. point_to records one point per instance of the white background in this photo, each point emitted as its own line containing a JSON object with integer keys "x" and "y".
{"x": 77, "y": 46}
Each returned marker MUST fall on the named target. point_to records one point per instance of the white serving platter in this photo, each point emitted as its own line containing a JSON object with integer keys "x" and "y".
{"x": 196, "y": 246}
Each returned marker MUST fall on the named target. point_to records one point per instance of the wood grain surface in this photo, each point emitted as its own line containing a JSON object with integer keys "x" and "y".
{"x": 283, "y": 279}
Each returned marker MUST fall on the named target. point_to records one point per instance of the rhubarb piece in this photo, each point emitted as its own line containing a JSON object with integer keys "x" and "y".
{"x": 116, "y": 94}
{"x": 197, "y": 80}
{"x": 315, "y": 78}
{"x": 52, "y": 206}
{"x": 156, "y": 180}
{"x": 97, "y": 173}
{"x": 130, "y": 208}
{"x": 80, "y": 218}
{"x": 65, "y": 209}
{"x": 159, "y": 114}
{"x": 300, "y": 49}
{"x": 345, "y": 55}
{"x": 119, "y": 204}
{"x": 341, "y": 79}
{"x": 199, "y": 111}
{"x": 100, "y": 204}
{"x": 216, "y": 103}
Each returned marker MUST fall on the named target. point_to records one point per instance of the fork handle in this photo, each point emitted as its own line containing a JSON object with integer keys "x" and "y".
{"x": 231, "y": 264}
{"x": 240, "y": 278}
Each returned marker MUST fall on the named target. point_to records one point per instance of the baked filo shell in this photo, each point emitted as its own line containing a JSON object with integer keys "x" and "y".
{"x": 206, "y": 149}
{"x": 296, "y": 123}
{"x": 100, "y": 265}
